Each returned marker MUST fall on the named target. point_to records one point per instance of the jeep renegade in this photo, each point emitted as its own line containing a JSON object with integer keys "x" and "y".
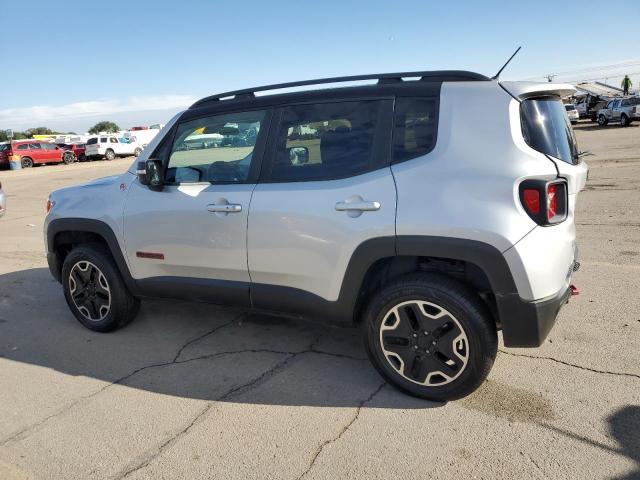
{"x": 432, "y": 209}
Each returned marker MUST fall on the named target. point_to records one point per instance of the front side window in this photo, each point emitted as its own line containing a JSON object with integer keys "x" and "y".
{"x": 547, "y": 129}
{"x": 325, "y": 141}
{"x": 216, "y": 149}
{"x": 415, "y": 127}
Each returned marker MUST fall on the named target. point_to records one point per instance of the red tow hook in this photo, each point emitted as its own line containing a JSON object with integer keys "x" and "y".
{"x": 574, "y": 290}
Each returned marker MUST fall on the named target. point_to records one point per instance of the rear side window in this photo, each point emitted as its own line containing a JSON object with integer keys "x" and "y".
{"x": 113, "y": 140}
{"x": 92, "y": 141}
{"x": 326, "y": 141}
{"x": 546, "y": 128}
{"x": 415, "y": 127}
{"x": 22, "y": 146}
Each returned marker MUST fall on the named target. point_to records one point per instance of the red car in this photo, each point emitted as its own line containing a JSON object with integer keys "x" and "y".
{"x": 77, "y": 149}
{"x": 33, "y": 152}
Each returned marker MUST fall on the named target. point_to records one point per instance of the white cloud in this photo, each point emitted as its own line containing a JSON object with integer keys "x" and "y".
{"x": 25, "y": 117}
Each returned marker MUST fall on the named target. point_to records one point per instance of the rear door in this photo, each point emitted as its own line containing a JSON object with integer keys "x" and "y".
{"x": 325, "y": 190}
{"x": 36, "y": 153}
{"x": 190, "y": 240}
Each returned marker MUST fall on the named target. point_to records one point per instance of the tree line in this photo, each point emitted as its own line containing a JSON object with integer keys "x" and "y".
{"x": 105, "y": 126}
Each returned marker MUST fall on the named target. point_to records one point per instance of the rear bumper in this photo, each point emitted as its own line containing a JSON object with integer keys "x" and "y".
{"x": 529, "y": 321}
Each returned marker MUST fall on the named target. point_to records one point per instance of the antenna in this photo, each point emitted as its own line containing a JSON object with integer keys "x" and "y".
{"x": 497, "y": 75}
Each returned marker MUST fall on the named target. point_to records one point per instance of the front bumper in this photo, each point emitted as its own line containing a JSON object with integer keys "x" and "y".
{"x": 529, "y": 321}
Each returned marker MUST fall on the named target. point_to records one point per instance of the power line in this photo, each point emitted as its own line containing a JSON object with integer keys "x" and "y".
{"x": 592, "y": 69}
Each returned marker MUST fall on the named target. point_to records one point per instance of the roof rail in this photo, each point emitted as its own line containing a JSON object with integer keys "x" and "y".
{"x": 434, "y": 76}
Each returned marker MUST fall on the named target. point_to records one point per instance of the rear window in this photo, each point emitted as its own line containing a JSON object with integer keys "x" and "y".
{"x": 415, "y": 127}
{"x": 4, "y": 146}
{"x": 569, "y": 107}
{"x": 92, "y": 141}
{"x": 631, "y": 101}
{"x": 546, "y": 128}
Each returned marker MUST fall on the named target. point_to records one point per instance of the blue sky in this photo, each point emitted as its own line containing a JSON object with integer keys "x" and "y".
{"x": 140, "y": 61}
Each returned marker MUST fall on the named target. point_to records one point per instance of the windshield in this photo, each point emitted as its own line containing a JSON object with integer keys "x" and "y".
{"x": 546, "y": 128}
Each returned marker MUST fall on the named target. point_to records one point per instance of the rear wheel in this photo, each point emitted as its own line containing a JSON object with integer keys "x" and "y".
{"x": 430, "y": 336}
{"x": 95, "y": 291}
{"x": 624, "y": 120}
{"x": 26, "y": 162}
{"x": 602, "y": 120}
{"x": 109, "y": 154}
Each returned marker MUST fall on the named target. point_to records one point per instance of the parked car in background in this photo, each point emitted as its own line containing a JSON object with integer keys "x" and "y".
{"x": 5, "y": 147}
{"x": 588, "y": 106}
{"x": 572, "y": 113}
{"x": 77, "y": 149}
{"x": 141, "y": 136}
{"x": 622, "y": 110}
{"x": 33, "y": 152}
{"x": 110, "y": 147}
{"x": 3, "y": 201}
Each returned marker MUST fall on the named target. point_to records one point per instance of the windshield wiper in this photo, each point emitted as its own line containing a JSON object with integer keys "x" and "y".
{"x": 586, "y": 153}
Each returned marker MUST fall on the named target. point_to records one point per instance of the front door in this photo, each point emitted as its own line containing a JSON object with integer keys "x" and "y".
{"x": 189, "y": 240}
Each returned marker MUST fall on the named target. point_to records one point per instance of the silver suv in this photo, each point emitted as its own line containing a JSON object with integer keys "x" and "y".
{"x": 432, "y": 209}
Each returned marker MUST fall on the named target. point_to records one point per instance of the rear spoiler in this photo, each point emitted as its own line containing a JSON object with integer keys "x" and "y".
{"x": 522, "y": 90}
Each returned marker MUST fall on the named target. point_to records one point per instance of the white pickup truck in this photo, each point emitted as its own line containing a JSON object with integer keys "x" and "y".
{"x": 110, "y": 147}
{"x": 622, "y": 110}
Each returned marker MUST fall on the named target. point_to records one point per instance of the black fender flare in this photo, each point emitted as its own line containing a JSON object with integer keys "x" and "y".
{"x": 89, "y": 225}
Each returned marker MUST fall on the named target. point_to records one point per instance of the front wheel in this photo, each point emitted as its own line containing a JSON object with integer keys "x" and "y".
{"x": 109, "y": 155}
{"x": 602, "y": 120}
{"x": 137, "y": 152}
{"x": 431, "y": 336}
{"x": 95, "y": 291}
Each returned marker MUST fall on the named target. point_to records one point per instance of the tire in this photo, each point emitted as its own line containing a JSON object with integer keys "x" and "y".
{"x": 82, "y": 158}
{"x": 103, "y": 303}
{"x": 428, "y": 311}
{"x": 624, "y": 120}
{"x": 137, "y": 152}
{"x": 602, "y": 120}
{"x": 68, "y": 158}
{"x": 109, "y": 154}
{"x": 26, "y": 162}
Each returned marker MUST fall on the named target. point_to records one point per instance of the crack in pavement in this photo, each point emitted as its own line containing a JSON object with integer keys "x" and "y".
{"x": 202, "y": 414}
{"x": 342, "y": 431}
{"x": 580, "y": 367}
{"x": 22, "y": 433}
{"x": 210, "y": 332}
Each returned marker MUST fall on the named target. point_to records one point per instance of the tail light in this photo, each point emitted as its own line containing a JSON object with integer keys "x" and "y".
{"x": 546, "y": 202}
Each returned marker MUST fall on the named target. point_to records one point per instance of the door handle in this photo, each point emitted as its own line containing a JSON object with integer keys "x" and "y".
{"x": 358, "y": 205}
{"x": 225, "y": 208}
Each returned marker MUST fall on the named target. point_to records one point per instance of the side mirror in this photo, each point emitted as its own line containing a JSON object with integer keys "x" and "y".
{"x": 298, "y": 155}
{"x": 150, "y": 173}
